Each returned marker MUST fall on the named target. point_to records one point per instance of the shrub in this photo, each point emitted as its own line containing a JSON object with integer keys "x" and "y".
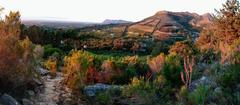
{"x": 51, "y": 65}
{"x": 230, "y": 77}
{"x": 49, "y": 51}
{"x": 156, "y": 63}
{"x": 75, "y": 68}
{"x": 200, "y": 95}
{"x": 38, "y": 52}
{"x": 171, "y": 70}
{"x": 236, "y": 52}
{"x": 105, "y": 98}
{"x": 183, "y": 48}
{"x": 109, "y": 71}
{"x": 130, "y": 60}
{"x": 16, "y": 56}
{"x": 145, "y": 92}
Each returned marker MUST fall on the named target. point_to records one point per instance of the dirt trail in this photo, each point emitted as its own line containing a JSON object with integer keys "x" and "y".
{"x": 53, "y": 93}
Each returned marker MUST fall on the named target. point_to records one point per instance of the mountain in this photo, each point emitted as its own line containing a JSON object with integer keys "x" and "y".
{"x": 57, "y": 24}
{"x": 165, "y": 24}
{"x": 109, "y": 21}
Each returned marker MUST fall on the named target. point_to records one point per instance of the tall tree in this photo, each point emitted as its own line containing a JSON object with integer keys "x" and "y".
{"x": 224, "y": 31}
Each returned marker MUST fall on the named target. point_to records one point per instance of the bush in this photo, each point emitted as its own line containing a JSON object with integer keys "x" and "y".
{"x": 19, "y": 54}
{"x": 171, "y": 70}
{"x": 200, "y": 95}
{"x": 145, "y": 92}
{"x": 156, "y": 64}
{"x": 75, "y": 68}
{"x": 105, "y": 98}
{"x": 230, "y": 77}
{"x": 51, "y": 65}
{"x": 49, "y": 51}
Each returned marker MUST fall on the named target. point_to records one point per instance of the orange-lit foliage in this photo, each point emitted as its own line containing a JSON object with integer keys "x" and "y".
{"x": 224, "y": 31}
{"x": 118, "y": 44}
{"x": 92, "y": 76}
{"x": 16, "y": 57}
{"x": 135, "y": 47}
{"x": 182, "y": 48}
{"x": 108, "y": 71}
{"x": 156, "y": 63}
{"x": 51, "y": 65}
{"x": 75, "y": 68}
{"x": 130, "y": 60}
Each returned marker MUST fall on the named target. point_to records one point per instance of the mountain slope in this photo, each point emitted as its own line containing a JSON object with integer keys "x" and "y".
{"x": 167, "y": 24}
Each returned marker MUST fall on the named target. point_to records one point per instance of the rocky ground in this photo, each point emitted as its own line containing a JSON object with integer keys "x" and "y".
{"x": 53, "y": 92}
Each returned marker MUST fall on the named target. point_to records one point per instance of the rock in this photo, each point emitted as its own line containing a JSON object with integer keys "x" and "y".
{"x": 202, "y": 81}
{"x": 42, "y": 71}
{"x": 92, "y": 90}
{"x": 217, "y": 90}
{"x": 8, "y": 100}
{"x": 29, "y": 93}
{"x": 37, "y": 82}
{"x": 27, "y": 102}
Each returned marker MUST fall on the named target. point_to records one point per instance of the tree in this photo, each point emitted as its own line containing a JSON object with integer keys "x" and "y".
{"x": 183, "y": 48}
{"x": 11, "y": 25}
{"x": 16, "y": 56}
{"x": 224, "y": 31}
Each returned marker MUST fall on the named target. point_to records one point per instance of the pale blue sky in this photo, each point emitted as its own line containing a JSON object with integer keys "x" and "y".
{"x": 99, "y": 10}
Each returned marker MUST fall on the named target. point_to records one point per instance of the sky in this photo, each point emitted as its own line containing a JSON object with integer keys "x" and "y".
{"x": 99, "y": 10}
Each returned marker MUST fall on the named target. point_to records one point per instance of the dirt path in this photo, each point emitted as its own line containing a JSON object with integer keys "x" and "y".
{"x": 54, "y": 93}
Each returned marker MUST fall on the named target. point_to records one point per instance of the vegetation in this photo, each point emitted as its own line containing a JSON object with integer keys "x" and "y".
{"x": 148, "y": 72}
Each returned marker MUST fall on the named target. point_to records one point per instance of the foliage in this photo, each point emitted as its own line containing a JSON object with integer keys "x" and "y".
{"x": 104, "y": 98}
{"x": 230, "y": 77}
{"x": 200, "y": 95}
{"x": 235, "y": 57}
{"x": 51, "y": 65}
{"x": 50, "y": 51}
{"x": 75, "y": 68}
{"x": 223, "y": 32}
{"x": 183, "y": 48}
{"x": 38, "y": 52}
{"x": 144, "y": 91}
{"x": 156, "y": 64}
{"x": 16, "y": 56}
{"x": 171, "y": 70}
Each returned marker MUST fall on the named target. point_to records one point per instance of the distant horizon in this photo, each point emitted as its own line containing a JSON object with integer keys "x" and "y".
{"x": 69, "y": 20}
{"x": 97, "y": 11}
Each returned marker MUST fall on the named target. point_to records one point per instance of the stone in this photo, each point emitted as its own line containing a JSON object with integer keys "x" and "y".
{"x": 42, "y": 71}
{"x": 38, "y": 82}
{"x": 92, "y": 90}
{"x": 217, "y": 90}
{"x": 27, "y": 102}
{"x": 8, "y": 100}
{"x": 29, "y": 93}
{"x": 206, "y": 81}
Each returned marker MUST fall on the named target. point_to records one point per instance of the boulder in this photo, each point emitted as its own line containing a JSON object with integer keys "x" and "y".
{"x": 38, "y": 82}
{"x": 92, "y": 90}
{"x": 6, "y": 99}
{"x": 27, "y": 102}
{"x": 29, "y": 93}
{"x": 42, "y": 71}
{"x": 206, "y": 81}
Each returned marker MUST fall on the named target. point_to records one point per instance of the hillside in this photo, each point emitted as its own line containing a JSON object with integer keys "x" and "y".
{"x": 168, "y": 24}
